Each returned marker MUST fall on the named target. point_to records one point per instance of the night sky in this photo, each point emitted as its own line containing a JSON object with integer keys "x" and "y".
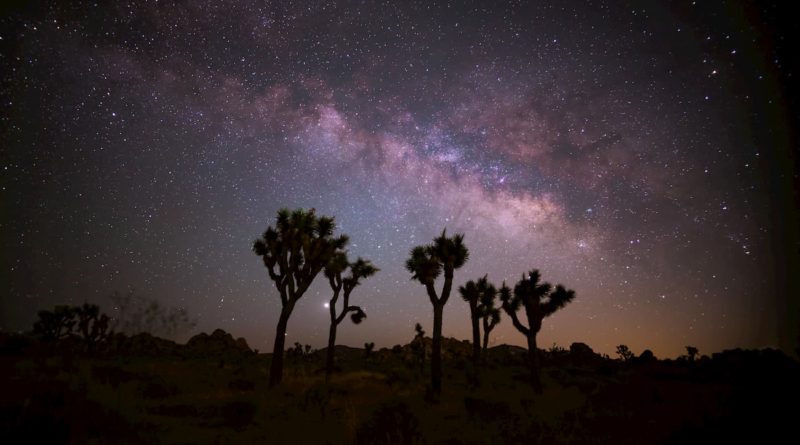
{"x": 639, "y": 153}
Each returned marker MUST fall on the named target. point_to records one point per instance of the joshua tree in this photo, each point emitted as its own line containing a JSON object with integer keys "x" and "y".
{"x": 55, "y": 325}
{"x": 426, "y": 263}
{"x": 474, "y": 293}
{"x": 540, "y": 300}
{"x": 418, "y": 346}
{"x": 92, "y": 325}
{"x": 490, "y": 315}
{"x": 624, "y": 353}
{"x": 369, "y": 348}
{"x": 334, "y": 270}
{"x": 294, "y": 252}
{"x": 691, "y": 352}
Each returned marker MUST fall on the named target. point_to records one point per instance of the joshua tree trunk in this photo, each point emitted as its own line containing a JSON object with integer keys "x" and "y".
{"x": 476, "y": 335}
{"x": 276, "y": 369}
{"x": 485, "y": 337}
{"x": 533, "y": 362}
{"x": 330, "y": 351}
{"x": 436, "y": 354}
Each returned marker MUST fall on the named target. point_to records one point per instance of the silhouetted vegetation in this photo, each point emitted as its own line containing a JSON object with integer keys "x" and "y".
{"x": 294, "y": 252}
{"x": 369, "y": 348}
{"x": 92, "y": 325}
{"x": 211, "y": 390}
{"x": 74, "y": 380}
{"x": 691, "y": 353}
{"x": 490, "y": 315}
{"x": 426, "y": 263}
{"x": 624, "y": 353}
{"x": 359, "y": 270}
{"x": 56, "y": 324}
{"x": 391, "y": 423}
{"x": 540, "y": 300}
{"x": 135, "y": 314}
{"x": 84, "y": 322}
{"x": 418, "y": 346}
{"x": 477, "y": 294}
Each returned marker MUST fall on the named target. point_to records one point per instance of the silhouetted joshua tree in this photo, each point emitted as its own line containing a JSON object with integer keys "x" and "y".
{"x": 294, "y": 252}
{"x": 369, "y": 348}
{"x": 55, "y": 325}
{"x": 92, "y": 325}
{"x": 691, "y": 352}
{"x": 489, "y": 314}
{"x": 426, "y": 263}
{"x": 625, "y": 353}
{"x": 334, "y": 270}
{"x": 540, "y": 300}
{"x": 474, "y": 293}
{"x": 418, "y": 346}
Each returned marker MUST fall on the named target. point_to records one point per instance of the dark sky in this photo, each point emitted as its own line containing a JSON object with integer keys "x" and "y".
{"x": 638, "y": 153}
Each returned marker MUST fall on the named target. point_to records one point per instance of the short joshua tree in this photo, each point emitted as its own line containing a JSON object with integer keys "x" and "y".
{"x": 540, "y": 300}
{"x": 344, "y": 285}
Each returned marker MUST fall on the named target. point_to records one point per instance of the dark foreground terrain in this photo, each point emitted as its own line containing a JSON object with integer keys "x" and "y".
{"x": 214, "y": 390}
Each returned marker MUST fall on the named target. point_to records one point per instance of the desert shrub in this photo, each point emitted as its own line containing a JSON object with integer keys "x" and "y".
{"x": 237, "y": 415}
{"x": 241, "y": 384}
{"x": 485, "y": 410}
{"x": 53, "y": 413}
{"x": 158, "y": 388}
{"x": 391, "y": 423}
{"x": 317, "y": 398}
{"x": 111, "y": 375}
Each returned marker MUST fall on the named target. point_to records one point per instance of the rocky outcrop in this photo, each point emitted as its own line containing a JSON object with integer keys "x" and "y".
{"x": 219, "y": 343}
{"x": 143, "y": 345}
{"x": 582, "y": 354}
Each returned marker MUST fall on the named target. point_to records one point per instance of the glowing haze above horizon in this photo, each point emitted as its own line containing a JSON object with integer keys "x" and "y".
{"x": 625, "y": 151}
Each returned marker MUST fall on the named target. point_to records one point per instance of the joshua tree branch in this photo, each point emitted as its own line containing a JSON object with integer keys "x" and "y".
{"x": 432, "y": 293}
{"x": 448, "y": 283}
{"x": 270, "y": 268}
{"x": 347, "y": 310}
{"x": 520, "y": 327}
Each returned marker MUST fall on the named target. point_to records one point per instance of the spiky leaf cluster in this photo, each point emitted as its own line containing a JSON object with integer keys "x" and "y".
{"x": 530, "y": 291}
{"x": 297, "y": 248}
{"x": 427, "y": 262}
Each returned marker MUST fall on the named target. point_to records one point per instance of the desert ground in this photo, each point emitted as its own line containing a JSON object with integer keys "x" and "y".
{"x": 214, "y": 390}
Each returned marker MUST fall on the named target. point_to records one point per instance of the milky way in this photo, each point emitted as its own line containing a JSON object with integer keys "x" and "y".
{"x": 628, "y": 152}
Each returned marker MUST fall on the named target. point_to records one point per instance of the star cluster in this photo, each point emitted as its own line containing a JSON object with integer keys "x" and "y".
{"x": 626, "y": 151}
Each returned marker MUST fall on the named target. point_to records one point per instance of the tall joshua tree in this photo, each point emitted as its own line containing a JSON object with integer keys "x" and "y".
{"x": 427, "y": 263}
{"x": 334, "y": 270}
{"x": 474, "y": 293}
{"x": 540, "y": 300}
{"x": 294, "y": 252}
{"x": 489, "y": 314}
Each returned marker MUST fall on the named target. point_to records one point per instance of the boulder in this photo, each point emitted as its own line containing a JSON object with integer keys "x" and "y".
{"x": 219, "y": 343}
{"x": 143, "y": 344}
{"x": 582, "y": 354}
{"x": 645, "y": 357}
